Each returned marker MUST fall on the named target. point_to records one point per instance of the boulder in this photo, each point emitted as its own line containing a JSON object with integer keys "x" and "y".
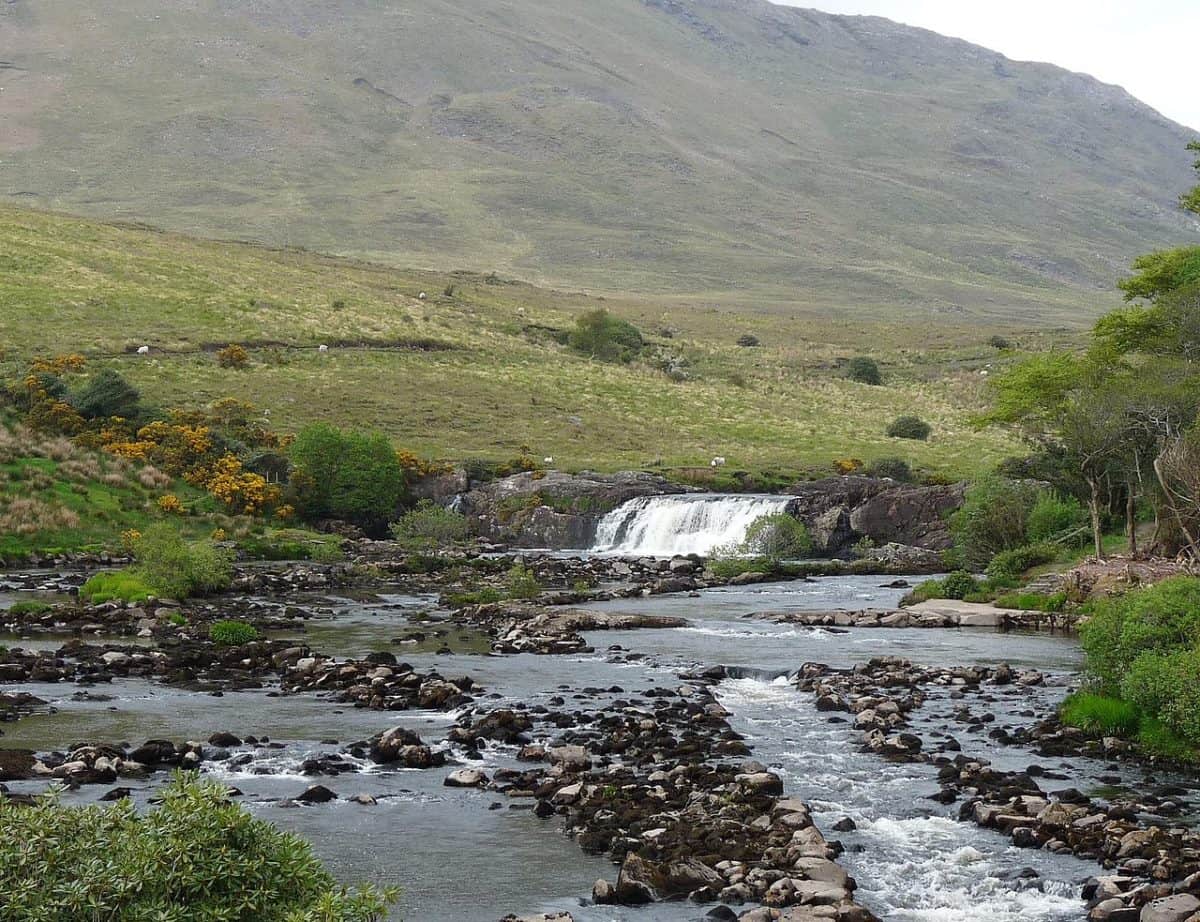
{"x": 1177, "y": 908}
{"x": 466, "y": 778}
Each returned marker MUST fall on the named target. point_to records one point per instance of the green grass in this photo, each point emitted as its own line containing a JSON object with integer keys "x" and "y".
{"x": 118, "y": 585}
{"x": 1100, "y": 715}
{"x": 782, "y": 407}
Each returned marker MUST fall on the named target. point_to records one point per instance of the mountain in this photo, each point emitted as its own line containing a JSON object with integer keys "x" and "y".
{"x": 714, "y": 152}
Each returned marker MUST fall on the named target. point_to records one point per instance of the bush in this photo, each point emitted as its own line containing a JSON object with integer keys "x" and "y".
{"x": 864, "y": 370}
{"x": 600, "y": 335}
{"x": 108, "y": 394}
{"x": 1167, "y": 687}
{"x": 748, "y": 340}
{"x": 346, "y": 475}
{"x": 993, "y": 518}
{"x": 776, "y": 537}
{"x": 520, "y": 583}
{"x": 1013, "y": 563}
{"x": 999, "y": 342}
{"x": 195, "y": 856}
{"x": 232, "y": 633}
{"x": 1053, "y": 516}
{"x": 1160, "y": 619}
{"x": 116, "y": 586}
{"x": 729, "y": 567}
{"x": 909, "y": 427}
{"x": 429, "y": 526}
{"x": 896, "y": 469}
{"x": 176, "y": 569}
{"x": 233, "y": 356}
{"x": 958, "y": 585}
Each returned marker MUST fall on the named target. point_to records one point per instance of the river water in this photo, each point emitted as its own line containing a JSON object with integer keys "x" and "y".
{"x": 472, "y": 855}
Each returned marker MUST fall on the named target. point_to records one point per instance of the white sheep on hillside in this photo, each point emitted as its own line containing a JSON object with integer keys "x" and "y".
{"x": 322, "y": 348}
{"x": 547, "y": 460}
{"x": 143, "y": 350}
{"x": 718, "y": 461}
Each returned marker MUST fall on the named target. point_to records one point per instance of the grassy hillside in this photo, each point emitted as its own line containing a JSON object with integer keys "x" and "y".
{"x": 477, "y": 372}
{"x": 744, "y": 154}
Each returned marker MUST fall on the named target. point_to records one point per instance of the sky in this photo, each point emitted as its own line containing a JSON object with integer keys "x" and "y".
{"x": 1146, "y": 46}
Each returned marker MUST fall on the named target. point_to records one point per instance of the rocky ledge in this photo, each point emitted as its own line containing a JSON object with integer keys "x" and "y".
{"x": 529, "y": 628}
{"x": 937, "y": 613}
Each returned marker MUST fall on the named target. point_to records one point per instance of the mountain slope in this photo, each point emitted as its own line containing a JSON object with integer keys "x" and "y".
{"x": 730, "y": 150}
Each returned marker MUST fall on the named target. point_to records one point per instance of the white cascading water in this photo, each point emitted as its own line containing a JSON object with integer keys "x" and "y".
{"x": 692, "y": 523}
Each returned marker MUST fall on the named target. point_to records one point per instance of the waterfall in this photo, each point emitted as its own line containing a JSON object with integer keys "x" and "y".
{"x": 693, "y": 523}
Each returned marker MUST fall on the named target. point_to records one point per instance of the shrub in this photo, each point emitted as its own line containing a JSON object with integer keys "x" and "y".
{"x": 895, "y": 468}
{"x": 1100, "y": 714}
{"x": 864, "y": 370}
{"x": 116, "y": 586}
{"x": 1158, "y": 619}
{"x": 1167, "y": 687}
{"x": 346, "y": 475}
{"x": 909, "y": 427}
{"x": 958, "y": 585}
{"x": 776, "y": 537}
{"x": 999, "y": 342}
{"x": 748, "y": 340}
{"x": 196, "y": 856}
{"x": 600, "y": 335}
{"x": 233, "y": 356}
{"x": 993, "y": 518}
{"x": 232, "y": 633}
{"x": 108, "y": 394}
{"x": 1053, "y": 516}
{"x": 176, "y": 569}
{"x": 1013, "y": 563}
{"x": 429, "y": 526}
{"x": 170, "y": 504}
{"x": 728, "y": 567}
{"x": 520, "y": 583}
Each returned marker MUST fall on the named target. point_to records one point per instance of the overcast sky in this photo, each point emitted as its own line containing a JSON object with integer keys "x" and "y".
{"x": 1147, "y": 46}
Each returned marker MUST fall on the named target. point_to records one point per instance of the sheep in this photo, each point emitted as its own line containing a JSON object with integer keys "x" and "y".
{"x": 143, "y": 350}
{"x": 718, "y": 461}
{"x": 547, "y": 460}
{"x": 421, "y": 296}
{"x": 322, "y": 348}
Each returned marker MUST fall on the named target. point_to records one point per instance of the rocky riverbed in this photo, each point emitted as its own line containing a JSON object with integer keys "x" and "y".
{"x": 696, "y": 762}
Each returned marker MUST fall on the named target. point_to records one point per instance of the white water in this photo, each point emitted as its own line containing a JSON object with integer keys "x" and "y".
{"x": 662, "y": 526}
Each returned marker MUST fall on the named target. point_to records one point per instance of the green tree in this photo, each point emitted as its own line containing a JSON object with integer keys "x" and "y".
{"x": 776, "y": 537}
{"x": 346, "y": 475}
{"x": 108, "y": 394}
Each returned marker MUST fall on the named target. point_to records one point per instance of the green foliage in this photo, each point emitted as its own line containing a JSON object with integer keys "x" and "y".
{"x": 999, "y": 342}
{"x": 292, "y": 544}
{"x": 108, "y": 394}
{"x": 346, "y": 475}
{"x": 429, "y": 526}
{"x": 1012, "y": 563}
{"x": 1100, "y": 714}
{"x": 118, "y": 585}
{"x": 776, "y": 537}
{"x": 1157, "y": 739}
{"x": 993, "y": 518}
{"x": 232, "y": 633}
{"x": 959, "y": 585}
{"x": 176, "y": 568}
{"x": 1032, "y": 601}
{"x": 195, "y": 857}
{"x": 895, "y": 468}
{"x": 864, "y": 370}
{"x": 909, "y": 427}
{"x": 1161, "y": 272}
{"x": 520, "y": 583}
{"x": 1167, "y": 686}
{"x": 28, "y": 607}
{"x": 1158, "y": 619}
{"x": 747, "y": 340}
{"x": 728, "y": 567}
{"x": 1053, "y": 516}
{"x": 600, "y": 335}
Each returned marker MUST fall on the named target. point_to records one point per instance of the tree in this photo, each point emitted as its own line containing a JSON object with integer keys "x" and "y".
{"x": 909, "y": 427}
{"x": 864, "y": 370}
{"x": 346, "y": 475}
{"x": 108, "y": 394}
